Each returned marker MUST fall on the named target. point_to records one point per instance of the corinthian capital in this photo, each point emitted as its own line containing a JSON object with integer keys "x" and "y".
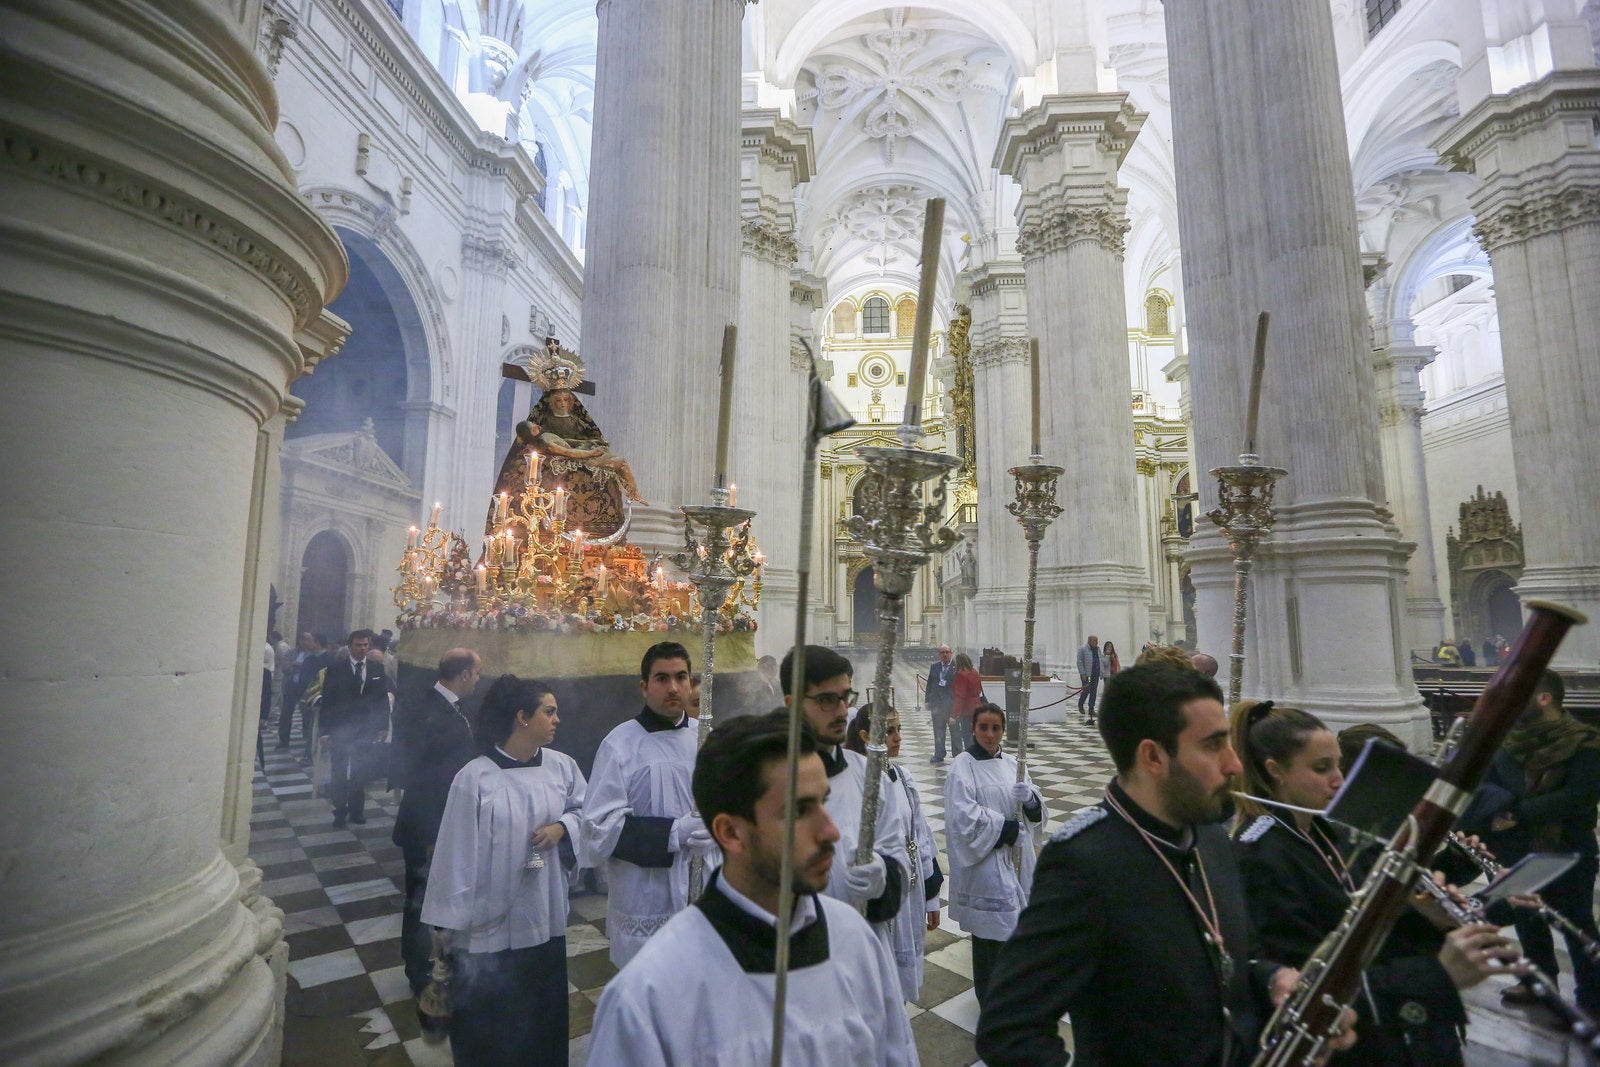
{"x": 1055, "y": 227}
{"x": 768, "y": 241}
{"x": 1537, "y": 214}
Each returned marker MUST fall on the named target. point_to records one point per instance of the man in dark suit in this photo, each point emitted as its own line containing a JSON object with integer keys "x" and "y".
{"x": 433, "y": 741}
{"x": 1136, "y": 923}
{"x": 939, "y": 697}
{"x": 355, "y": 713}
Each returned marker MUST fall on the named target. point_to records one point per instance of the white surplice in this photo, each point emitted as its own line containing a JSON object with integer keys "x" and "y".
{"x": 845, "y": 791}
{"x": 685, "y": 1001}
{"x": 479, "y": 881}
{"x": 908, "y": 931}
{"x": 987, "y": 892}
{"x": 644, "y": 773}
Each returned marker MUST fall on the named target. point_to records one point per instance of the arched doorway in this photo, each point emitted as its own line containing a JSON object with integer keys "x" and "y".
{"x": 864, "y": 616}
{"x": 381, "y": 373}
{"x": 324, "y": 585}
{"x": 1494, "y": 601}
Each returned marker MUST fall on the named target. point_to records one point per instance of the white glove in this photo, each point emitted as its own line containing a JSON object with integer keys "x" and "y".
{"x": 700, "y": 842}
{"x": 1022, "y": 793}
{"x": 683, "y": 828}
{"x": 865, "y": 881}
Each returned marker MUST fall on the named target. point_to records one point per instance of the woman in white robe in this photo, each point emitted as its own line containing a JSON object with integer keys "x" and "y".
{"x": 919, "y": 911}
{"x": 987, "y": 889}
{"x": 497, "y": 887}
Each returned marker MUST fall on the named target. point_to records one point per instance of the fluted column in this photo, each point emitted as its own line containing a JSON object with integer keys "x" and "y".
{"x": 156, "y": 267}
{"x": 661, "y": 271}
{"x": 486, "y": 264}
{"x": 1538, "y": 216}
{"x": 770, "y": 378}
{"x": 1268, "y": 223}
{"x": 1400, "y": 411}
{"x": 1064, "y": 152}
{"x": 999, "y": 383}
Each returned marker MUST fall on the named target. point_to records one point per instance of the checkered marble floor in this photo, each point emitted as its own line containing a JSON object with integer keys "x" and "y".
{"x": 348, "y": 1001}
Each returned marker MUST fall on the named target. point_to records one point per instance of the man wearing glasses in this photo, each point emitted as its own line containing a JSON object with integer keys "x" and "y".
{"x": 826, "y": 702}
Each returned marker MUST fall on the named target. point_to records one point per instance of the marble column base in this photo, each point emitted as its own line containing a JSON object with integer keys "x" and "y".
{"x": 1111, "y": 601}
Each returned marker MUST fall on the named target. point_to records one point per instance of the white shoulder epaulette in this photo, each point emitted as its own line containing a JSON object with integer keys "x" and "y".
{"x": 1079, "y": 823}
{"x": 1255, "y": 830}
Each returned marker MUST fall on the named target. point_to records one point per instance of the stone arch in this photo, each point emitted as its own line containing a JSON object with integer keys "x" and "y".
{"x": 328, "y": 556}
{"x": 1434, "y": 257}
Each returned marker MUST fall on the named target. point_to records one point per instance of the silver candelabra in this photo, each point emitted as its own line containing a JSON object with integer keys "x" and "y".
{"x": 1244, "y": 515}
{"x": 716, "y": 556}
{"x": 1035, "y": 508}
{"x": 899, "y": 529}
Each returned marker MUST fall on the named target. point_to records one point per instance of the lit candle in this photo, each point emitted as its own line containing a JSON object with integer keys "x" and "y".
{"x": 661, "y": 578}
{"x": 533, "y": 467}
{"x": 922, "y": 330}
{"x": 1257, "y": 367}
{"x": 733, "y": 496}
{"x": 1033, "y": 366}
{"x": 605, "y": 579}
{"x": 561, "y": 503}
{"x": 761, "y": 562}
{"x": 509, "y": 552}
{"x": 433, "y": 520}
{"x": 483, "y": 578}
{"x": 730, "y": 340}
{"x": 411, "y": 537}
{"x": 503, "y": 507}
{"x": 577, "y": 545}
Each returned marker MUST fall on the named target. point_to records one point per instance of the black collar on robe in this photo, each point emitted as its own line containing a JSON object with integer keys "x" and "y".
{"x": 506, "y": 763}
{"x": 754, "y": 943}
{"x": 977, "y": 751}
{"x": 654, "y": 723}
{"x": 835, "y": 763}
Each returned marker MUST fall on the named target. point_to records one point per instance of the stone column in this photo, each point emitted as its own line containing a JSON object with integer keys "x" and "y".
{"x": 155, "y": 269}
{"x": 1400, "y": 409}
{"x": 487, "y": 260}
{"x": 770, "y": 377}
{"x": 999, "y": 377}
{"x": 1269, "y": 223}
{"x": 1064, "y": 153}
{"x": 1538, "y": 210}
{"x": 661, "y": 275}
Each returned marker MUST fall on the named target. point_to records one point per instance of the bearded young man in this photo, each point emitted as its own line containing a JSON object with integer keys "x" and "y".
{"x": 701, "y": 992}
{"x": 1136, "y": 924}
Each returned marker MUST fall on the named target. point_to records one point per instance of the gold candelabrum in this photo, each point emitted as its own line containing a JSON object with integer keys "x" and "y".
{"x": 1035, "y": 508}
{"x": 899, "y": 528}
{"x": 718, "y": 553}
{"x": 1244, "y": 515}
{"x": 536, "y": 572}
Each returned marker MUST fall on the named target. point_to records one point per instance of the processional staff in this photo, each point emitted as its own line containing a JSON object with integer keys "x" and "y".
{"x": 715, "y": 560}
{"x": 897, "y": 529}
{"x": 1244, "y": 510}
{"x": 824, "y": 415}
{"x": 1035, "y": 508}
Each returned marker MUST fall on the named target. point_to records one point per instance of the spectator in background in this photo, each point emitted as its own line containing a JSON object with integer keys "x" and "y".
{"x": 967, "y": 694}
{"x": 1111, "y": 662}
{"x": 1491, "y": 653}
{"x": 1469, "y": 658}
{"x": 1090, "y": 669}
{"x": 939, "y": 698}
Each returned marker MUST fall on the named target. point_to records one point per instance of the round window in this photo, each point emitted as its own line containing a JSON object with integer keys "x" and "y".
{"x": 876, "y": 370}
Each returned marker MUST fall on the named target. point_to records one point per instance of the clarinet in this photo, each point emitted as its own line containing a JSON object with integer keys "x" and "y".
{"x": 1571, "y": 1018}
{"x": 1309, "y": 1019}
{"x": 1554, "y": 919}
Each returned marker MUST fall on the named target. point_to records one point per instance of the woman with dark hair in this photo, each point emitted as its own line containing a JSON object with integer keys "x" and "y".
{"x": 988, "y": 887}
{"x": 1298, "y": 883}
{"x": 919, "y": 910}
{"x": 966, "y": 693}
{"x": 497, "y": 888}
{"x": 1108, "y": 653}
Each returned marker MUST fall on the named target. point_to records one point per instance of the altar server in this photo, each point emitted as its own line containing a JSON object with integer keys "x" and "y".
{"x": 701, "y": 992}
{"x": 981, "y": 796}
{"x": 919, "y": 907}
{"x": 876, "y": 884}
{"x": 497, "y": 888}
{"x": 639, "y": 820}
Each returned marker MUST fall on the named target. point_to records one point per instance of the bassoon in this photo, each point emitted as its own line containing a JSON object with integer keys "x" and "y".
{"x": 1309, "y": 1020}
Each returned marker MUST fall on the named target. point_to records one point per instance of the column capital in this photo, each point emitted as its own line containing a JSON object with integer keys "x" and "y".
{"x": 769, "y": 241}
{"x": 999, "y": 351}
{"x": 1533, "y": 151}
{"x": 1049, "y": 227}
{"x": 490, "y": 255}
{"x": 1046, "y": 143}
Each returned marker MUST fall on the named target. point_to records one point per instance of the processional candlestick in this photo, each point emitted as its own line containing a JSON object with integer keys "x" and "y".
{"x": 899, "y": 529}
{"x": 1244, "y": 511}
{"x": 1035, "y": 508}
{"x": 716, "y": 559}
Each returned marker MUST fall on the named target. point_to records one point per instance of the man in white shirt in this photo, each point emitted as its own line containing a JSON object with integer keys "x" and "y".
{"x": 702, "y": 991}
{"x": 639, "y": 816}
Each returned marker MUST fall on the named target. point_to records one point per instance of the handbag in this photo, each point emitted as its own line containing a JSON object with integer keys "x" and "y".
{"x": 369, "y": 761}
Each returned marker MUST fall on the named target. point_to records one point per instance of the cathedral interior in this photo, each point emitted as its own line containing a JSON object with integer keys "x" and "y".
{"x": 266, "y": 262}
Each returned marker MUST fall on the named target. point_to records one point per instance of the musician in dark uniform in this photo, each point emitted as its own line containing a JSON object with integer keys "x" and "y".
{"x": 1299, "y": 874}
{"x": 1137, "y": 925}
